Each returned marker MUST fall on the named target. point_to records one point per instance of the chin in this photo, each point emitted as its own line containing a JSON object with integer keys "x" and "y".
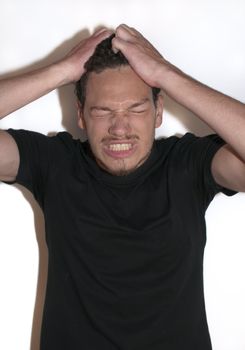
{"x": 120, "y": 172}
{"x": 119, "y": 168}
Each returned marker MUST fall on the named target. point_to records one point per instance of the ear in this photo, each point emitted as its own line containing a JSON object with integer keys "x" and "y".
{"x": 80, "y": 116}
{"x": 159, "y": 110}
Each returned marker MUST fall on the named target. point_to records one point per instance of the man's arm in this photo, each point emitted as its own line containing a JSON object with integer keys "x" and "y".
{"x": 18, "y": 91}
{"x": 225, "y": 115}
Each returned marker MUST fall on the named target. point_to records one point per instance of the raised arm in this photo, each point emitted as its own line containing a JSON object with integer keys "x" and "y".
{"x": 225, "y": 115}
{"x": 18, "y": 91}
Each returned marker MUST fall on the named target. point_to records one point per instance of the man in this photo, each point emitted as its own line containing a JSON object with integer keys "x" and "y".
{"x": 124, "y": 214}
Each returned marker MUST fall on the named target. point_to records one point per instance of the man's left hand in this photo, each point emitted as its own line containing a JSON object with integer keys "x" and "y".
{"x": 144, "y": 59}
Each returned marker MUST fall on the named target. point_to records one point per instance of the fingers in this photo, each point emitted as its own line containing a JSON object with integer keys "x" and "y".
{"x": 130, "y": 30}
{"x": 97, "y": 37}
{"x": 102, "y": 31}
{"x": 125, "y": 36}
{"x": 127, "y": 33}
{"x": 101, "y": 34}
{"x": 94, "y": 39}
{"x": 118, "y": 44}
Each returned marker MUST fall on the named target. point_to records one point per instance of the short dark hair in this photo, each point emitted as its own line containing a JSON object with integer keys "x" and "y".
{"x": 103, "y": 57}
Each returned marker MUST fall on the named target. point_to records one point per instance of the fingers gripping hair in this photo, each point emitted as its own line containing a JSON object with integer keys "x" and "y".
{"x": 103, "y": 57}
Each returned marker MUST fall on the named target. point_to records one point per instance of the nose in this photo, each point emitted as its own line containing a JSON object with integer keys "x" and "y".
{"x": 119, "y": 125}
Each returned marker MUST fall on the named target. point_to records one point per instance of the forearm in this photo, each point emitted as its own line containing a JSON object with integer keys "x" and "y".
{"x": 18, "y": 91}
{"x": 21, "y": 90}
{"x": 225, "y": 115}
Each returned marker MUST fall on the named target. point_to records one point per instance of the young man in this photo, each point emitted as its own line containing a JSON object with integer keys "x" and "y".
{"x": 124, "y": 213}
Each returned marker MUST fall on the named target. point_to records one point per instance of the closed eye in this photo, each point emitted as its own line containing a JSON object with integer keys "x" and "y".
{"x": 100, "y": 114}
{"x": 138, "y": 111}
{"x": 139, "y": 107}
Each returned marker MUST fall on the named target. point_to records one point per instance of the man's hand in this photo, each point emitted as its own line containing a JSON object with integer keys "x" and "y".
{"x": 73, "y": 63}
{"x": 144, "y": 59}
{"x": 223, "y": 114}
{"x": 18, "y": 91}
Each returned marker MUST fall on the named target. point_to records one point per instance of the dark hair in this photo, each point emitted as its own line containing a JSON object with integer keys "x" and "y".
{"x": 103, "y": 57}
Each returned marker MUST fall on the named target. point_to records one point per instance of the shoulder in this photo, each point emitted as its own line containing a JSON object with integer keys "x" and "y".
{"x": 190, "y": 153}
{"x": 190, "y": 143}
{"x": 57, "y": 141}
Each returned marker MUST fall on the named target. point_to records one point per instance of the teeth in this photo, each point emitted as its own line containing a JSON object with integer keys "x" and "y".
{"x": 120, "y": 147}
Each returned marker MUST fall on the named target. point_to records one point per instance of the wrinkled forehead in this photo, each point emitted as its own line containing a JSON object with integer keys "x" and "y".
{"x": 119, "y": 86}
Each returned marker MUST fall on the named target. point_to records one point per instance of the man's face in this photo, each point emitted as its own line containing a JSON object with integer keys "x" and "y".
{"x": 120, "y": 118}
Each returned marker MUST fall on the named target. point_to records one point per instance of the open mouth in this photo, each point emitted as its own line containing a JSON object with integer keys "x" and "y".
{"x": 120, "y": 149}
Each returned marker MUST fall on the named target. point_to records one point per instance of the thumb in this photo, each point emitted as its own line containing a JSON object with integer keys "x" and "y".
{"x": 119, "y": 44}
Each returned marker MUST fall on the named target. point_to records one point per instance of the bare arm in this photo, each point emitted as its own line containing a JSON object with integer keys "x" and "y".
{"x": 25, "y": 89}
{"x": 225, "y": 115}
{"x": 14, "y": 94}
{"x": 18, "y": 91}
{"x": 9, "y": 157}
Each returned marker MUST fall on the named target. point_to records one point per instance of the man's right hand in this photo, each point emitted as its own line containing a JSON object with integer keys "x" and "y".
{"x": 18, "y": 91}
{"x": 74, "y": 62}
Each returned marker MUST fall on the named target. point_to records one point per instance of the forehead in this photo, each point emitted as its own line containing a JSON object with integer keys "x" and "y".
{"x": 116, "y": 86}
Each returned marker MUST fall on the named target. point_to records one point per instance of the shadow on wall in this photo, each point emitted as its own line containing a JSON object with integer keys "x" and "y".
{"x": 186, "y": 118}
{"x": 67, "y": 101}
{"x": 42, "y": 268}
{"x": 69, "y": 121}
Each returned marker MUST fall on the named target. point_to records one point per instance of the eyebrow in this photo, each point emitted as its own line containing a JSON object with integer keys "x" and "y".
{"x": 107, "y": 109}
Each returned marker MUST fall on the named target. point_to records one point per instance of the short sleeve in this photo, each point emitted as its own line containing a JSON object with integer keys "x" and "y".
{"x": 197, "y": 154}
{"x": 34, "y": 161}
{"x": 40, "y": 157}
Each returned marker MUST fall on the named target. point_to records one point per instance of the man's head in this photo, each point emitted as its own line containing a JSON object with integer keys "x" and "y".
{"x": 118, "y": 110}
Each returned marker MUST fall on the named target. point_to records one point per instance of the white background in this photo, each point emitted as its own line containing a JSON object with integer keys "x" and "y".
{"x": 205, "y": 38}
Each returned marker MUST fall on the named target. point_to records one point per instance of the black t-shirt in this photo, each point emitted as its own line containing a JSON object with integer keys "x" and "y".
{"x": 125, "y": 252}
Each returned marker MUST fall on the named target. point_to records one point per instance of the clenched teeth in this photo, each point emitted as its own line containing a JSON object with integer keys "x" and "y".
{"x": 120, "y": 147}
